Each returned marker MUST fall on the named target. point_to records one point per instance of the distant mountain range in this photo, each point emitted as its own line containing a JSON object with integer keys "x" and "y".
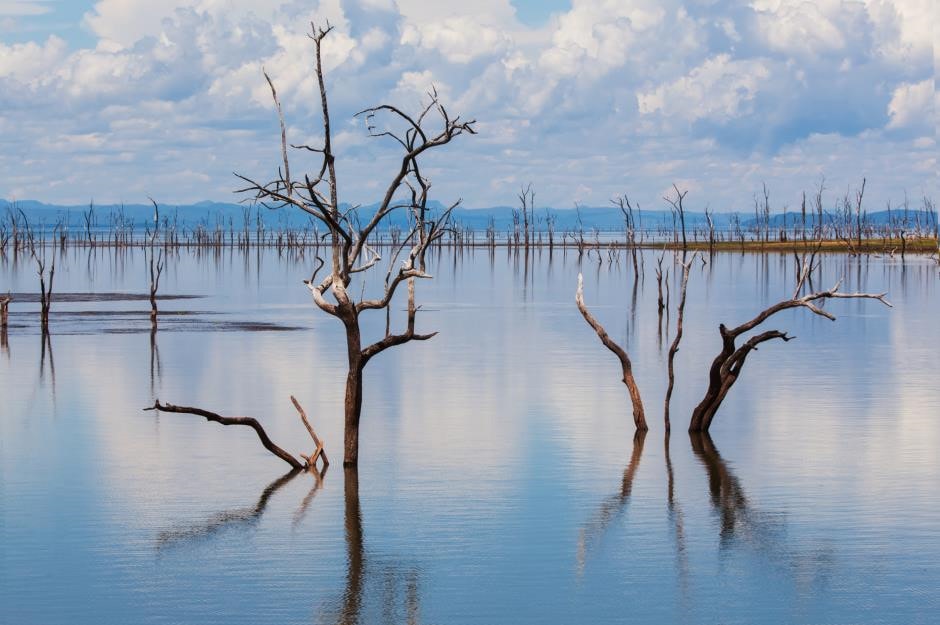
{"x": 607, "y": 218}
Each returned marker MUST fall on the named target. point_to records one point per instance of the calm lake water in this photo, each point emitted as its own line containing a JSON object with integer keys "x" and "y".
{"x": 499, "y": 479}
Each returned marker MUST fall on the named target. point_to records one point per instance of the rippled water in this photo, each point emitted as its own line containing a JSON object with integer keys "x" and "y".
{"x": 499, "y": 479}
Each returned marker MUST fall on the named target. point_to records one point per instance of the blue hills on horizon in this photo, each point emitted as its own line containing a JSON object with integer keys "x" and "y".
{"x": 603, "y": 218}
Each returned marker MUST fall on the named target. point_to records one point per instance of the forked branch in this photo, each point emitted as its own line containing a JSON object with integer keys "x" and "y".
{"x": 728, "y": 364}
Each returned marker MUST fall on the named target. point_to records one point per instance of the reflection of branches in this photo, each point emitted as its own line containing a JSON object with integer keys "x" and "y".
{"x": 613, "y": 505}
{"x": 227, "y": 518}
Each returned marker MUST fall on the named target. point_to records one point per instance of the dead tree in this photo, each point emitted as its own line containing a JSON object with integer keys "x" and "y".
{"x": 859, "y": 196}
{"x": 680, "y": 209}
{"x": 629, "y": 224}
{"x": 156, "y": 269}
{"x": 45, "y": 290}
{"x": 727, "y": 366}
{"x": 309, "y": 461}
{"x": 639, "y": 416}
{"x": 156, "y": 265}
{"x": 527, "y": 206}
{"x": 675, "y": 343}
{"x": 317, "y": 194}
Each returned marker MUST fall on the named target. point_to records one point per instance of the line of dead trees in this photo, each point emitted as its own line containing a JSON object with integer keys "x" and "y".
{"x": 846, "y": 222}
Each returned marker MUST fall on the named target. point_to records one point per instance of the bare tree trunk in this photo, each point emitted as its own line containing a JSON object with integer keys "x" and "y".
{"x": 674, "y": 348}
{"x": 352, "y": 409}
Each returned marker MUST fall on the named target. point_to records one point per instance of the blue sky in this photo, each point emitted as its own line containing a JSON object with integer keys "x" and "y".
{"x": 587, "y": 99}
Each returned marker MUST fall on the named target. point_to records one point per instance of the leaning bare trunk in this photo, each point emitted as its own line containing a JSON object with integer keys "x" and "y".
{"x": 639, "y": 415}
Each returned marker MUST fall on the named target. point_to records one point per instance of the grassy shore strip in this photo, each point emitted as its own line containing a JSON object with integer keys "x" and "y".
{"x": 868, "y": 246}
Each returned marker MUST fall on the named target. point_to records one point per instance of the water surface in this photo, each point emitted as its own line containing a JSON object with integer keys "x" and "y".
{"x": 499, "y": 479}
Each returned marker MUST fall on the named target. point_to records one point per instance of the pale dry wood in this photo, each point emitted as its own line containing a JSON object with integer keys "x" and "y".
{"x": 319, "y": 451}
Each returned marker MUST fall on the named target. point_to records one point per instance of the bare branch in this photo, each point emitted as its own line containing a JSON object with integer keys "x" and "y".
{"x": 247, "y": 421}
{"x": 639, "y": 416}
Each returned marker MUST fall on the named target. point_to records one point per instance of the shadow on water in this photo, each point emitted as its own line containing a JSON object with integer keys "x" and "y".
{"x": 677, "y": 520}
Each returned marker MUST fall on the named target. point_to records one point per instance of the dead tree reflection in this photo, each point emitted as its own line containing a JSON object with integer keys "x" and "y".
{"x": 677, "y": 520}
{"x": 393, "y": 586}
{"x": 156, "y": 369}
{"x": 45, "y": 351}
{"x": 727, "y": 495}
{"x": 613, "y": 506}
{"x": 743, "y": 525}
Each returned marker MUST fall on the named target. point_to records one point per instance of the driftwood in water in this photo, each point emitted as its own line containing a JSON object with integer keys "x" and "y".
{"x": 727, "y": 365}
{"x": 310, "y": 462}
{"x": 639, "y": 416}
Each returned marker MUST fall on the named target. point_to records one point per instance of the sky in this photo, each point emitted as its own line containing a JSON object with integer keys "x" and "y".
{"x": 118, "y": 100}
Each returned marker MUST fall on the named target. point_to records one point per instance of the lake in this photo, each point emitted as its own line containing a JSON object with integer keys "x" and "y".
{"x": 499, "y": 477}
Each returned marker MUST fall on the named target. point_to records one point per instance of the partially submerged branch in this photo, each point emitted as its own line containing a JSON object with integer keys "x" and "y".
{"x": 259, "y": 430}
{"x": 639, "y": 416}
